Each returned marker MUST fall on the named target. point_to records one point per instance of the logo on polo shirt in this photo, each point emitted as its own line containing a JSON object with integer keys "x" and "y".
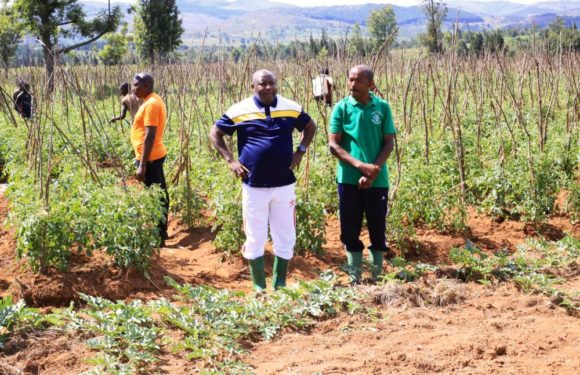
{"x": 376, "y": 118}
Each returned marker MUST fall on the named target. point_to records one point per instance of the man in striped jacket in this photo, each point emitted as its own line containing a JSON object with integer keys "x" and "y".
{"x": 264, "y": 124}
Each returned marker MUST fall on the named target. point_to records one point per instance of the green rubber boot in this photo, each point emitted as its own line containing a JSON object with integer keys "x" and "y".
{"x": 258, "y": 274}
{"x": 376, "y": 260}
{"x": 280, "y": 272}
{"x": 354, "y": 265}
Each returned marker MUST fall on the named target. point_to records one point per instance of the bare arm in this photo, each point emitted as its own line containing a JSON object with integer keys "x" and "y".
{"x": 384, "y": 153}
{"x": 370, "y": 170}
{"x": 388, "y": 145}
{"x": 216, "y": 137}
{"x": 123, "y": 114}
{"x": 307, "y": 137}
{"x": 150, "y": 132}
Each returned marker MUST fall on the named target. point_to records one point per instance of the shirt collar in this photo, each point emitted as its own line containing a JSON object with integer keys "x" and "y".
{"x": 260, "y": 105}
{"x": 372, "y": 102}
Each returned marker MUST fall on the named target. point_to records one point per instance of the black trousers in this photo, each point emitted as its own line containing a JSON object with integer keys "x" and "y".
{"x": 154, "y": 174}
{"x": 353, "y": 203}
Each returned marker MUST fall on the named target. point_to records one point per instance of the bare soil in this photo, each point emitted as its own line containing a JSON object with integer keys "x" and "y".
{"x": 491, "y": 330}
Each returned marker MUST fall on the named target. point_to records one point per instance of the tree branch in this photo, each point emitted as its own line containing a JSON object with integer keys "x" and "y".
{"x": 81, "y": 44}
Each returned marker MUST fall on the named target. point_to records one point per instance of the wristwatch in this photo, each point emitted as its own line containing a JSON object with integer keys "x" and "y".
{"x": 301, "y": 148}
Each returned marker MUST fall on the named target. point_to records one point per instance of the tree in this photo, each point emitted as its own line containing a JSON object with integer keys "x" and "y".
{"x": 493, "y": 41}
{"x": 435, "y": 11}
{"x": 48, "y": 20}
{"x": 558, "y": 36}
{"x": 10, "y": 34}
{"x": 356, "y": 43}
{"x": 157, "y": 28}
{"x": 476, "y": 45}
{"x": 381, "y": 24}
{"x": 116, "y": 47}
{"x": 312, "y": 47}
{"x": 324, "y": 42}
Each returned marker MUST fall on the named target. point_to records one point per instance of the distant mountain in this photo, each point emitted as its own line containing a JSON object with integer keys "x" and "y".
{"x": 486, "y": 8}
{"x": 360, "y": 14}
{"x": 235, "y": 21}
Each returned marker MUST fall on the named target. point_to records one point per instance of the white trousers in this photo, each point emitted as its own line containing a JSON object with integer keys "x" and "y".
{"x": 273, "y": 206}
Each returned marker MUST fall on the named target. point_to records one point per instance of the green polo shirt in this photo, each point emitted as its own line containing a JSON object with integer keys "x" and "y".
{"x": 363, "y": 128}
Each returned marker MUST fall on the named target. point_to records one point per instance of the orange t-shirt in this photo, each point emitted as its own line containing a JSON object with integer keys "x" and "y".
{"x": 151, "y": 113}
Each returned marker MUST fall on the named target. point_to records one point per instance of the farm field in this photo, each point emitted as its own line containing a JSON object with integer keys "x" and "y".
{"x": 484, "y": 228}
{"x": 493, "y": 329}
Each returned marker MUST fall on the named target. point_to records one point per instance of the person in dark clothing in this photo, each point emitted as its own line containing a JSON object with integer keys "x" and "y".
{"x": 22, "y": 98}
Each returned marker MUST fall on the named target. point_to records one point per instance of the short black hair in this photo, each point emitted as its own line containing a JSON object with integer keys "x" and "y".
{"x": 124, "y": 86}
{"x": 145, "y": 78}
{"x": 366, "y": 71}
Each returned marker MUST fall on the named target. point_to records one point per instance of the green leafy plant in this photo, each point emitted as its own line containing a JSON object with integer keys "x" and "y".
{"x": 125, "y": 334}
{"x": 16, "y": 316}
{"x": 401, "y": 269}
{"x": 530, "y": 272}
{"x": 310, "y": 226}
{"x": 187, "y": 203}
{"x": 86, "y": 217}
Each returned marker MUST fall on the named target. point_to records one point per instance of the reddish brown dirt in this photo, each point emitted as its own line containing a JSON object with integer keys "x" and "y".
{"x": 47, "y": 352}
{"x": 7, "y": 254}
{"x": 495, "y": 330}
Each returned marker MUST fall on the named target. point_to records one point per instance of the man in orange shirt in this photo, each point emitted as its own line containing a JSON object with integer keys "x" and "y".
{"x": 147, "y": 140}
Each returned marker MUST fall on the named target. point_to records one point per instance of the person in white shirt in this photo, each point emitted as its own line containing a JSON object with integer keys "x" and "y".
{"x": 322, "y": 87}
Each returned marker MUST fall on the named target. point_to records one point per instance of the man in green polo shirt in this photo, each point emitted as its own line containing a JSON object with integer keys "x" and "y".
{"x": 362, "y": 136}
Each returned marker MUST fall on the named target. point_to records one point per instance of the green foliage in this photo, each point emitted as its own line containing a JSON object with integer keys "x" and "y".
{"x": 531, "y": 268}
{"x": 429, "y": 195}
{"x": 15, "y": 316}
{"x": 125, "y": 224}
{"x": 573, "y": 203}
{"x": 509, "y": 190}
{"x": 474, "y": 265}
{"x": 215, "y": 324}
{"x": 406, "y": 271}
{"x": 315, "y": 199}
{"x": 356, "y": 43}
{"x": 187, "y": 203}
{"x": 10, "y": 34}
{"x": 125, "y": 334}
{"x": 435, "y": 11}
{"x": 158, "y": 28}
{"x": 44, "y": 19}
{"x": 310, "y": 226}
{"x": 45, "y": 239}
{"x": 227, "y": 212}
{"x": 559, "y": 37}
{"x": 115, "y": 49}
{"x": 86, "y": 217}
{"x": 534, "y": 268}
{"x": 381, "y": 24}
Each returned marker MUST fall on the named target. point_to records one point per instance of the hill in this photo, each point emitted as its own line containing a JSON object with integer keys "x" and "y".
{"x": 239, "y": 21}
